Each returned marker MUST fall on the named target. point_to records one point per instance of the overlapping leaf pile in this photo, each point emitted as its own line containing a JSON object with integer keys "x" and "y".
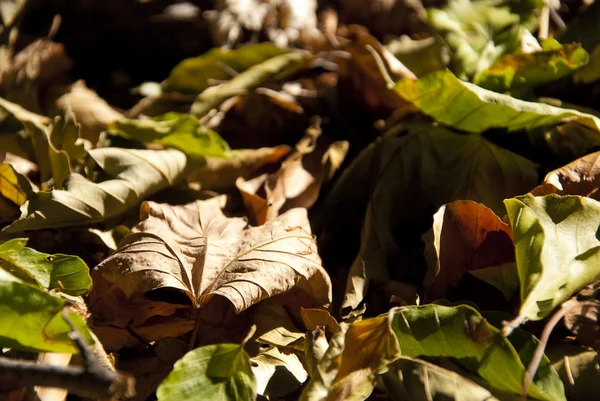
{"x": 324, "y": 217}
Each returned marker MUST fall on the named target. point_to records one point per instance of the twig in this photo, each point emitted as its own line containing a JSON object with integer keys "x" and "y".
{"x": 91, "y": 380}
{"x": 541, "y": 347}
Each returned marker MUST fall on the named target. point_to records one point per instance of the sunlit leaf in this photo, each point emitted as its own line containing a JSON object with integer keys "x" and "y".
{"x": 66, "y": 273}
{"x": 14, "y": 186}
{"x": 557, "y": 249}
{"x": 193, "y": 75}
{"x": 520, "y": 70}
{"x": 479, "y": 109}
{"x": 214, "y": 372}
{"x": 175, "y": 130}
{"x": 31, "y": 320}
{"x": 137, "y": 174}
{"x": 477, "y": 33}
{"x": 461, "y": 333}
{"x": 205, "y": 259}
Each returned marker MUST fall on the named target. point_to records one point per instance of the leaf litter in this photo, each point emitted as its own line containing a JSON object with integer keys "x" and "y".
{"x": 301, "y": 200}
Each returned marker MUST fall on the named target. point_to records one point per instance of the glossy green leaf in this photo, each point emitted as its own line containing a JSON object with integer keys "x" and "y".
{"x": 193, "y": 75}
{"x": 137, "y": 174}
{"x": 417, "y": 380}
{"x": 218, "y": 372}
{"x": 557, "y": 249}
{"x": 31, "y": 320}
{"x": 520, "y": 70}
{"x": 274, "y": 68}
{"x": 477, "y": 109}
{"x": 66, "y": 273}
{"x": 461, "y": 333}
{"x": 175, "y": 130}
{"x": 420, "y": 56}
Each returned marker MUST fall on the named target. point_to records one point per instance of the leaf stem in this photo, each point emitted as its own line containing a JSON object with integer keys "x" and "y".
{"x": 541, "y": 347}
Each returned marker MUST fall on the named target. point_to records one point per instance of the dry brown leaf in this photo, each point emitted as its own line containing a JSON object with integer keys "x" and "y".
{"x": 90, "y": 110}
{"x": 196, "y": 259}
{"x": 42, "y": 62}
{"x": 580, "y": 177}
{"x": 584, "y": 321}
{"x": 365, "y": 67}
{"x": 298, "y": 182}
{"x": 220, "y": 173}
{"x": 467, "y": 236}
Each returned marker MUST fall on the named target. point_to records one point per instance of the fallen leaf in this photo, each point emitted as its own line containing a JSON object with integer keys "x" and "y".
{"x": 194, "y": 75}
{"x": 482, "y": 109}
{"x": 31, "y": 319}
{"x": 369, "y": 346}
{"x": 277, "y": 67}
{"x": 174, "y": 130}
{"x": 578, "y": 369}
{"x": 556, "y": 249}
{"x": 417, "y": 380}
{"x": 298, "y": 181}
{"x": 66, "y": 273}
{"x": 219, "y": 173}
{"x": 461, "y": 333}
{"x": 520, "y": 70}
{"x": 396, "y": 185}
{"x": 583, "y": 320}
{"x": 199, "y": 253}
{"x": 14, "y": 186}
{"x": 92, "y": 112}
{"x": 218, "y": 372}
{"x": 467, "y": 236}
{"x": 580, "y": 177}
{"x": 137, "y": 174}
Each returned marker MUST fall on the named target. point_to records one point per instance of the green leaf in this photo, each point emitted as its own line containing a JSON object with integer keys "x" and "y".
{"x": 175, "y": 130}
{"x": 557, "y": 249}
{"x": 477, "y": 33}
{"x": 31, "y": 320}
{"x": 395, "y": 185}
{"x": 417, "y": 380}
{"x": 477, "y": 109}
{"x": 521, "y": 70}
{"x": 194, "y": 75}
{"x": 138, "y": 174}
{"x": 67, "y": 273}
{"x": 213, "y": 372}
{"x": 277, "y": 67}
{"x": 461, "y": 333}
{"x": 420, "y": 56}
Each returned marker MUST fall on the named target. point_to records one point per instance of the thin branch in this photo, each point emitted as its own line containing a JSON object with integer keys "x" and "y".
{"x": 91, "y": 380}
{"x": 541, "y": 347}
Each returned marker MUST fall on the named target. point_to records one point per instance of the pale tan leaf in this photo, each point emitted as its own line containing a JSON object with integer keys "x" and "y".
{"x": 197, "y": 252}
{"x": 299, "y": 180}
